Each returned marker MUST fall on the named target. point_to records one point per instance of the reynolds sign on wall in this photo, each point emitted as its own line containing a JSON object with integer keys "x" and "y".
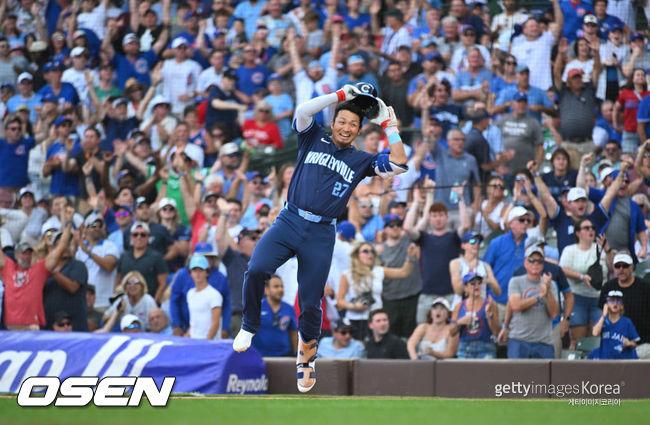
{"x": 210, "y": 367}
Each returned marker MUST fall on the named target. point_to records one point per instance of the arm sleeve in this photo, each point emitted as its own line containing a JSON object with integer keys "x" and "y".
{"x": 305, "y": 112}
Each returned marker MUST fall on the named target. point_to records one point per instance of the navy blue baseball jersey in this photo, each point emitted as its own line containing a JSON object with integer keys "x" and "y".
{"x": 326, "y": 175}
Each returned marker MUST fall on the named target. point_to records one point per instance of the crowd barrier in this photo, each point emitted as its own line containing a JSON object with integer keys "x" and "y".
{"x": 201, "y": 366}
{"x": 212, "y": 367}
{"x": 524, "y": 379}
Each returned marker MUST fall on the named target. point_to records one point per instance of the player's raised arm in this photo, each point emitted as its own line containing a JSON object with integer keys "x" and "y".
{"x": 305, "y": 112}
{"x": 395, "y": 163}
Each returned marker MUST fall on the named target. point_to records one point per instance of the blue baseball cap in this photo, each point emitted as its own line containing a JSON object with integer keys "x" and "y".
{"x": 204, "y": 248}
{"x": 124, "y": 207}
{"x": 53, "y": 66}
{"x": 468, "y": 236}
{"x": 617, "y": 172}
{"x": 431, "y": 56}
{"x": 275, "y": 76}
{"x": 520, "y": 96}
{"x": 61, "y": 120}
{"x": 50, "y": 97}
{"x": 470, "y": 276}
{"x": 636, "y": 36}
{"x": 199, "y": 261}
{"x": 346, "y": 230}
{"x": 615, "y": 27}
{"x": 388, "y": 218}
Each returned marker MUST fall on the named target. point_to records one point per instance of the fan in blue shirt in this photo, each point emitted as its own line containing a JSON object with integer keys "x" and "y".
{"x": 14, "y": 155}
{"x": 132, "y": 63}
{"x": 618, "y": 335}
{"x": 278, "y": 334}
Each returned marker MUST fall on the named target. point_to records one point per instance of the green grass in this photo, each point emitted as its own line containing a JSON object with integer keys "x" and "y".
{"x": 312, "y": 410}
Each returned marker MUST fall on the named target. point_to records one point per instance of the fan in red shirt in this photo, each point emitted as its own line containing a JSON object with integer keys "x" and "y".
{"x": 262, "y": 129}
{"x": 628, "y": 102}
{"x": 24, "y": 280}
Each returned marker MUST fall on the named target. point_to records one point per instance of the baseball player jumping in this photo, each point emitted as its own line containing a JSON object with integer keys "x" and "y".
{"x": 327, "y": 171}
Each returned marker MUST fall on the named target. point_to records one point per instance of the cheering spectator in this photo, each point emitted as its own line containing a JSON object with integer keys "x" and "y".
{"x": 225, "y": 102}
{"x": 627, "y": 105}
{"x": 14, "y": 150}
{"x": 167, "y": 215}
{"x": 99, "y": 256}
{"x": 399, "y": 296}
{"x": 505, "y": 252}
{"x": 360, "y": 289}
{"x": 476, "y": 319}
{"x": 439, "y": 247}
{"x": 24, "y": 281}
{"x": 180, "y": 76}
{"x": 125, "y": 65}
{"x": 537, "y": 99}
{"x": 534, "y": 50}
{"x": 65, "y": 288}
{"x": 565, "y": 299}
{"x": 576, "y": 260}
{"x": 434, "y": 338}
{"x": 521, "y": 132}
{"x": 131, "y": 292}
{"x": 64, "y": 147}
{"x": 533, "y": 299}
{"x": 469, "y": 262}
{"x": 619, "y": 337}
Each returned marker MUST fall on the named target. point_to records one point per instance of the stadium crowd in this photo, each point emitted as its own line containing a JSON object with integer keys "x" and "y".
{"x": 129, "y": 203}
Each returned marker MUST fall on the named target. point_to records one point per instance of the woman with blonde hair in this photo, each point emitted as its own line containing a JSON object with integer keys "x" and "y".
{"x": 361, "y": 286}
{"x": 133, "y": 289}
{"x": 262, "y": 129}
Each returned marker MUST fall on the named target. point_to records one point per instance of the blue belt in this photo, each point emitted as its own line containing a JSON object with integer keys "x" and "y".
{"x": 308, "y": 215}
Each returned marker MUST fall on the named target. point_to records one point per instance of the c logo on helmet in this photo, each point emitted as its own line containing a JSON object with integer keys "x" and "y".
{"x": 365, "y": 88}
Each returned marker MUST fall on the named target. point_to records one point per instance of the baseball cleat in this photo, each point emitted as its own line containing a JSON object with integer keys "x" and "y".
{"x": 242, "y": 341}
{"x": 306, "y": 364}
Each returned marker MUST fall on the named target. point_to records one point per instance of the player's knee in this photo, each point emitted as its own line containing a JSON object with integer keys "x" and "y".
{"x": 255, "y": 271}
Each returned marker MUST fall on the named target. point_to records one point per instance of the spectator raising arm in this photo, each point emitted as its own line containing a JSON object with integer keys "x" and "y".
{"x": 54, "y": 256}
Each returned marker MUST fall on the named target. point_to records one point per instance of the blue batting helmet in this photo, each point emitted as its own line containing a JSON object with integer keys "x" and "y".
{"x": 367, "y": 100}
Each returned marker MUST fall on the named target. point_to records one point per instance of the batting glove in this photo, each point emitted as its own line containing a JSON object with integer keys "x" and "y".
{"x": 347, "y": 92}
{"x": 386, "y": 116}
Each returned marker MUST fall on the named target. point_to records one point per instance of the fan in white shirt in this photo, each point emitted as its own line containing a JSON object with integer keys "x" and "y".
{"x": 180, "y": 76}
{"x": 203, "y": 302}
{"x": 77, "y": 74}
